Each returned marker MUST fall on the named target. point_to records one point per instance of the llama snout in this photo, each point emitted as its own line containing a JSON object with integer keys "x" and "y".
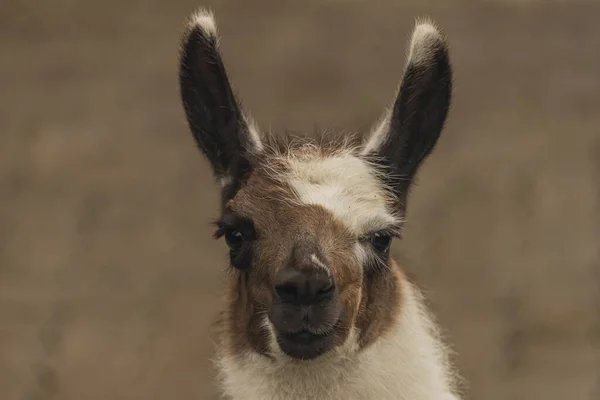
{"x": 306, "y": 306}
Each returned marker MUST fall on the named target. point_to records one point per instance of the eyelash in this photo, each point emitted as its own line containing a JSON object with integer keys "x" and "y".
{"x": 219, "y": 232}
{"x": 224, "y": 228}
{"x": 389, "y": 232}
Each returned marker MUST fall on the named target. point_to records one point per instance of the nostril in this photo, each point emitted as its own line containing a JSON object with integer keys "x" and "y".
{"x": 326, "y": 290}
{"x": 287, "y": 292}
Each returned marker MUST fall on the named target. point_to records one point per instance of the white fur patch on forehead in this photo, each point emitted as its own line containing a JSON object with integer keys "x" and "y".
{"x": 345, "y": 185}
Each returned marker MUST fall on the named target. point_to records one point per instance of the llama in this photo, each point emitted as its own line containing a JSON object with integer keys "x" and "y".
{"x": 316, "y": 307}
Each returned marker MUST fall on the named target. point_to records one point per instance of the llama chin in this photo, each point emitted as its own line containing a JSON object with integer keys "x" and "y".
{"x": 316, "y": 306}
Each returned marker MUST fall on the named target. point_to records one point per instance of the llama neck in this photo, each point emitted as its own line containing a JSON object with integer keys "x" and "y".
{"x": 408, "y": 363}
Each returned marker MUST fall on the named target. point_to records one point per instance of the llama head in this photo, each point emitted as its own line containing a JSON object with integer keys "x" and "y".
{"x": 309, "y": 222}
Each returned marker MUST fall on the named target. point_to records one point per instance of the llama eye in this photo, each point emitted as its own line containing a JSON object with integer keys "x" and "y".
{"x": 234, "y": 239}
{"x": 381, "y": 241}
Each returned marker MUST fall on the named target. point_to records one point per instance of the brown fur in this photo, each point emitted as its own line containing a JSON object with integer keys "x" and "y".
{"x": 380, "y": 303}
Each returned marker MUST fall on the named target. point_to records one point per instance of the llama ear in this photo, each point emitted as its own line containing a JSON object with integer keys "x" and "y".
{"x": 409, "y": 131}
{"x": 223, "y": 133}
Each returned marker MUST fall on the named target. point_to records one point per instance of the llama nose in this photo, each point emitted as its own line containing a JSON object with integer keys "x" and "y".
{"x": 298, "y": 286}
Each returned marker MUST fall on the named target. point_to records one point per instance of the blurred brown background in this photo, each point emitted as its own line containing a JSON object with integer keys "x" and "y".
{"x": 108, "y": 276}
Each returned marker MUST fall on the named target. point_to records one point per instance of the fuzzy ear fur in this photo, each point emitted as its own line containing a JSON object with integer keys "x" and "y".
{"x": 409, "y": 131}
{"x": 215, "y": 117}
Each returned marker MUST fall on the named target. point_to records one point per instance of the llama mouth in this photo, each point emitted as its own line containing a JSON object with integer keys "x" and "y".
{"x": 305, "y": 345}
{"x": 304, "y": 337}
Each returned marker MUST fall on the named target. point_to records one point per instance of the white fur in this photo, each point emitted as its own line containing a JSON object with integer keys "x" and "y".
{"x": 204, "y": 19}
{"x": 255, "y": 144}
{"x": 378, "y": 134}
{"x": 318, "y": 263}
{"x": 345, "y": 185}
{"x": 225, "y": 181}
{"x": 409, "y": 363}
